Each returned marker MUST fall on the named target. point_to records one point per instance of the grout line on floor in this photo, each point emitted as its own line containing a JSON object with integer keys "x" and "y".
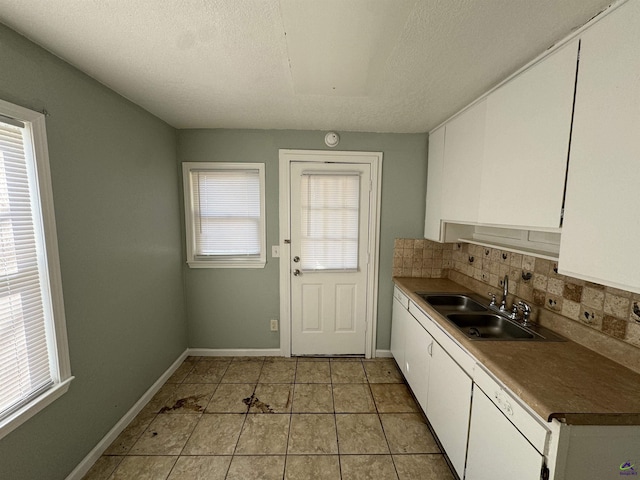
{"x": 263, "y": 362}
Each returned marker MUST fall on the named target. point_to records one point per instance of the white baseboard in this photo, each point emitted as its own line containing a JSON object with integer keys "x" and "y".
{"x": 235, "y": 352}
{"x": 255, "y": 352}
{"x": 384, "y": 354}
{"x": 85, "y": 465}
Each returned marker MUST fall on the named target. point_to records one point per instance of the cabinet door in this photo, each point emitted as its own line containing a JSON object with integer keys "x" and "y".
{"x": 463, "y": 154}
{"x": 399, "y": 320}
{"x": 601, "y": 225}
{"x": 418, "y": 359}
{"x": 528, "y": 124}
{"x": 435, "y": 163}
{"x": 449, "y": 405}
{"x": 497, "y": 450}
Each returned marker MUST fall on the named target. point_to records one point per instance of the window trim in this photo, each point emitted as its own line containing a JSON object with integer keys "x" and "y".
{"x": 221, "y": 261}
{"x": 58, "y": 341}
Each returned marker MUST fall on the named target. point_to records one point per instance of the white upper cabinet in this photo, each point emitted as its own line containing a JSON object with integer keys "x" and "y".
{"x": 503, "y": 161}
{"x": 602, "y": 211}
{"x": 463, "y": 154}
{"x": 528, "y": 125}
{"x": 434, "y": 185}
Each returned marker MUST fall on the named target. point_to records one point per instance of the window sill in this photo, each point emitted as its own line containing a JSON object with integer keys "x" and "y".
{"x": 207, "y": 264}
{"x": 16, "y": 419}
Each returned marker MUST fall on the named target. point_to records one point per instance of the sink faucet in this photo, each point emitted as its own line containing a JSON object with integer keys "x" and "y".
{"x": 526, "y": 313}
{"x": 525, "y": 321}
{"x": 505, "y": 291}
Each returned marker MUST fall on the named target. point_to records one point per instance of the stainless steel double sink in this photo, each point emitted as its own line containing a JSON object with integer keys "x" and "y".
{"x": 478, "y": 322}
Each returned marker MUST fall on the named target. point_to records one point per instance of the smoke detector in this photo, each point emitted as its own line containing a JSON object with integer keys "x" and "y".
{"x": 331, "y": 139}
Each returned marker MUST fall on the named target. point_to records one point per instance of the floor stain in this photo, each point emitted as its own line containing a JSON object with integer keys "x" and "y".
{"x": 255, "y": 402}
{"x": 187, "y": 403}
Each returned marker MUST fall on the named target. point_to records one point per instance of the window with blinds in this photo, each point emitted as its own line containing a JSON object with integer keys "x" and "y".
{"x": 225, "y": 214}
{"x": 30, "y": 342}
{"x": 329, "y": 220}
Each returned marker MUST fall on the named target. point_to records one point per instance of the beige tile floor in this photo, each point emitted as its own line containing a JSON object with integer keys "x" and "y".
{"x": 257, "y": 418}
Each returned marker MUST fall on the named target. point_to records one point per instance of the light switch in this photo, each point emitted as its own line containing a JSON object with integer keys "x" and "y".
{"x": 275, "y": 251}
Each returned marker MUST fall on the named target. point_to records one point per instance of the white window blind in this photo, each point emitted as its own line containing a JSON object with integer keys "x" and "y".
{"x": 225, "y": 214}
{"x": 330, "y": 217}
{"x": 25, "y": 369}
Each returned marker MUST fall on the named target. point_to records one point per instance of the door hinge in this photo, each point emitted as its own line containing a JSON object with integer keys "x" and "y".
{"x": 544, "y": 474}
{"x": 287, "y": 241}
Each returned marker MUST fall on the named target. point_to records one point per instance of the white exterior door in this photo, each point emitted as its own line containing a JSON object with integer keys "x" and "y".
{"x": 329, "y": 257}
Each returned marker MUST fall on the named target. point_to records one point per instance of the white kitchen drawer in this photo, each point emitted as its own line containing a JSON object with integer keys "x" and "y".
{"x": 401, "y": 297}
{"x": 524, "y": 421}
{"x": 455, "y": 351}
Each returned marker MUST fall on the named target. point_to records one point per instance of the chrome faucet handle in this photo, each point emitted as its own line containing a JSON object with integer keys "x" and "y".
{"x": 503, "y": 305}
{"x": 514, "y": 312}
{"x": 524, "y": 306}
{"x": 492, "y": 297}
{"x": 526, "y": 311}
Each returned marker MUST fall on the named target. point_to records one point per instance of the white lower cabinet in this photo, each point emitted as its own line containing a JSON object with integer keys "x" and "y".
{"x": 418, "y": 361}
{"x": 440, "y": 385}
{"x": 494, "y": 435}
{"x": 449, "y": 406}
{"x": 399, "y": 322}
{"x": 497, "y": 450}
{"x": 411, "y": 347}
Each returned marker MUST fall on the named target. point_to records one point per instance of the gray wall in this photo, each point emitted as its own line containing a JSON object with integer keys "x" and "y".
{"x": 120, "y": 230}
{"x": 231, "y": 308}
{"x": 115, "y": 185}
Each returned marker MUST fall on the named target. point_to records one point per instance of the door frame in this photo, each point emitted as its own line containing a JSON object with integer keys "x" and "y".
{"x": 374, "y": 159}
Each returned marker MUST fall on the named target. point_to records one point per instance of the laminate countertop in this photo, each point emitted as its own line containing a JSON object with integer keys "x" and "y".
{"x": 562, "y": 380}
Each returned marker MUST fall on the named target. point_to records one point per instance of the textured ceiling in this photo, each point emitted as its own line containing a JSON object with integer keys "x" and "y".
{"x": 346, "y": 65}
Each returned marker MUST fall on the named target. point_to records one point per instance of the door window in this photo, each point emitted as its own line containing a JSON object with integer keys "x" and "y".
{"x": 329, "y": 221}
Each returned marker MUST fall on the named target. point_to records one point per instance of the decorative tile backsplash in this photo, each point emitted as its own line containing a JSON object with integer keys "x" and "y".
{"x": 536, "y": 281}
{"x": 421, "y": 258}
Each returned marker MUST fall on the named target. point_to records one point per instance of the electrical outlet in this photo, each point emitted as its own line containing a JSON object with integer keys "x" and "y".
{"x": 274, "y": 325}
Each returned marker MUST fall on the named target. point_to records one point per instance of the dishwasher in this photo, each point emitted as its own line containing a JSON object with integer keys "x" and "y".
{"x": 505, "y": 441}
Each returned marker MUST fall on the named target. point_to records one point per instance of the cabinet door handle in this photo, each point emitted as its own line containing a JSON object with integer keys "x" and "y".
{"x": 430, "y": 349}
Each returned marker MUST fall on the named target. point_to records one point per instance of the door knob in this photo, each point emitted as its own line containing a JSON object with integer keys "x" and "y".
{"x": 296, "y": 272}
{"x": 296, "y": 259}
